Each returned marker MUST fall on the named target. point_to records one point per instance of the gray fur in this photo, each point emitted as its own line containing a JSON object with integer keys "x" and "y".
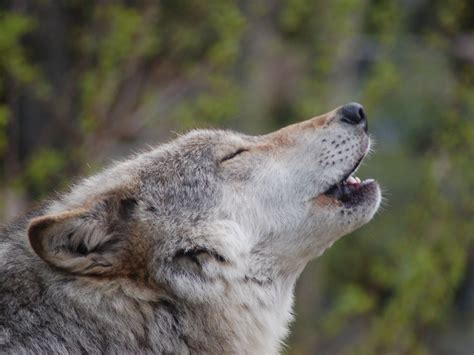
{"x": 182, "y": 249}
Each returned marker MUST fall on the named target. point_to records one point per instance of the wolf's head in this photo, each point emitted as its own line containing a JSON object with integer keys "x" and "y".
{"x": 215, "y": 205}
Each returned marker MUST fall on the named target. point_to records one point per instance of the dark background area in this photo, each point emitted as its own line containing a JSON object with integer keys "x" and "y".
{"x": 83, "y": 83}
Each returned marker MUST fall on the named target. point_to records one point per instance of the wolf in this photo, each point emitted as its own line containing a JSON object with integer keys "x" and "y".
{"x": 193, "y": 247}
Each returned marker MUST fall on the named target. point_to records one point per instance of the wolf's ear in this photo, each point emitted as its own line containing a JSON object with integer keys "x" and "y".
{"x": 84, "y": 241}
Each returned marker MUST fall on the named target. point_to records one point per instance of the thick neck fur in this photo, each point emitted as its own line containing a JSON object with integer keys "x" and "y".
{"x": 117, "y": 316}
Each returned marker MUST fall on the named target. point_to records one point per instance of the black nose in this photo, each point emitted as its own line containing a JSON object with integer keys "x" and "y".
{"x": 354, "y": 114}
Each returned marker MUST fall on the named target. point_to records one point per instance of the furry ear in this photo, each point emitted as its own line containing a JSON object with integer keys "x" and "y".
{"x": 84, "y": 241}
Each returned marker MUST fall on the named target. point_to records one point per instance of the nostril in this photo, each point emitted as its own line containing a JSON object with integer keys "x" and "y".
{"x": 354, "y": 114}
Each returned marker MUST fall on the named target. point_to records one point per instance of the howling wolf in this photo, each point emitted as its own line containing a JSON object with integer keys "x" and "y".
{"x": 192, "y": 247}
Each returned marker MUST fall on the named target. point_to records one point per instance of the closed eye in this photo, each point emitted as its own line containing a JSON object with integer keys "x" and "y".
{"x": 233, "y": 154}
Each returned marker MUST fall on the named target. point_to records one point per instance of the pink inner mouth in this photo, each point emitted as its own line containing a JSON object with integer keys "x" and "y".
{"x": 345, "y": 190}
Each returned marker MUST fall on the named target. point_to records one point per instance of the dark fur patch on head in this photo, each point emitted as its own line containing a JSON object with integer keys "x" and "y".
{"x": 199, "y": 255}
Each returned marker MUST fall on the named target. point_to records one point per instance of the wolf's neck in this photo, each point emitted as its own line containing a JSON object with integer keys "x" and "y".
{"x": 258, "y": 309}
{"x": 252, "y": 318}
{"x": 247, "y": 317}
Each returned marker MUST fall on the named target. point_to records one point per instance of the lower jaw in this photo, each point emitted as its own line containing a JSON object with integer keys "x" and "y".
{"x": 350, "y": 194}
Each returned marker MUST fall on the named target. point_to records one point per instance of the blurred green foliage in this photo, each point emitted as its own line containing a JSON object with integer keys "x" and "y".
{"x": 79, "y": 81}
{"x": 12, "y": 62}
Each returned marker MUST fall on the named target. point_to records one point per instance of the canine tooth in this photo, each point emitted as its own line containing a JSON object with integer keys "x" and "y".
{"x": 351, "y": 180}
{"x": 357, "y": 179}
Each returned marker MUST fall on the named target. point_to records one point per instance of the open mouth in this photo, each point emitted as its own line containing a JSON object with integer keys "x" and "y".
{"x": 349, "y": 188}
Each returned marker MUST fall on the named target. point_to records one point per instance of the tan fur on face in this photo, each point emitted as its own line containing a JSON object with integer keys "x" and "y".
{"x": 326, "y": 201}
{"x": 288, "y": 136}
{"x": 311, "y": 124}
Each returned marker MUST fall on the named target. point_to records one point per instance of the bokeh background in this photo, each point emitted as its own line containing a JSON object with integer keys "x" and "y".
{"x": 86, "y": 82}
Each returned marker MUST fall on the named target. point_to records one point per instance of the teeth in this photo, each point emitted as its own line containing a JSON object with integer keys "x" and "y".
{"x": 357, "y": 179}
{"x": 351, "y": 180}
